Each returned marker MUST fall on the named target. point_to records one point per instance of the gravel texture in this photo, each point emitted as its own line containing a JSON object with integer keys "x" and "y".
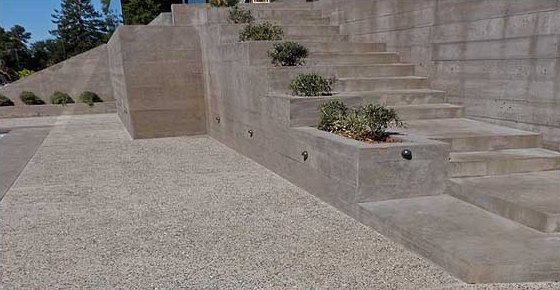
{"x": 96, "y": 210}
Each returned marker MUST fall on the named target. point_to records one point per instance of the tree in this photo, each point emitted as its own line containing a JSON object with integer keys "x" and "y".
{"x": 13, "y": 47}
{"x": 45, "y": 53}
{"x": 143, "y": 11}
{"x": 79, "y": 27}
{"x": 140, "y": 11}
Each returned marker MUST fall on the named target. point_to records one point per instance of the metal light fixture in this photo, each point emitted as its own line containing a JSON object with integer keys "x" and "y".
{"x": 406, "y": 154}
{"x": 305, "y": 155}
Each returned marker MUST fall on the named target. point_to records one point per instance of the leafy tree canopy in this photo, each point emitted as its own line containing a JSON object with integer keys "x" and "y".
{"x": 79, "y": 26}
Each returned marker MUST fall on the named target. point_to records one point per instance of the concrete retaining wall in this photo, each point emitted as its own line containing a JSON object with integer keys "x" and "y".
{"x": 500, "y": 58}
{"x": 88, "y": 71}
{"x": 245, "y": 114}
{"x": 157, "y": 77}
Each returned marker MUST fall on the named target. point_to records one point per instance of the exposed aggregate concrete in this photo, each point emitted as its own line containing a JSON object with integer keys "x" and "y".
{"x": 96, "y": 210}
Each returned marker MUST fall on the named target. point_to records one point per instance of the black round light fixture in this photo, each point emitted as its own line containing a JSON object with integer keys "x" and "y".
{"x": 406, "y": 154}
{"x": 305, "y": 155}
{"x": 251, "y": 133}
{"x": 218, "y": 120}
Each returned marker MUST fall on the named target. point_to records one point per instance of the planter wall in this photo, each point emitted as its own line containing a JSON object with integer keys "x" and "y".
{"x": 246, "y": 114}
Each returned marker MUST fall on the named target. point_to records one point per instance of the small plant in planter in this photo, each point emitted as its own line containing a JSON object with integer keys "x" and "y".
{"x": 240, "y": 15}
{"x": 288, "y": 53}
{"x": 265, "y": 31}
{"x": 5, "y": 101}
{"x": 60, "y": 98}
{"x": 368, "y": 123}
{"x": 30, "y": 98}
{"x": 90, "y": 98}
{"x": 311, "y": 84}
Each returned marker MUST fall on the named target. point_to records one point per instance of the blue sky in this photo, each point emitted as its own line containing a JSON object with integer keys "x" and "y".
{"x": 35, "y": 15}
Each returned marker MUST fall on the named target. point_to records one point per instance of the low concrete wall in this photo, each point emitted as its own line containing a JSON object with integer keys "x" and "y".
{"x": 157, "y": 78}
{"x": 25, "y": 111}
{"x": 88, "y": 71}
{"x": 500, "y": 58}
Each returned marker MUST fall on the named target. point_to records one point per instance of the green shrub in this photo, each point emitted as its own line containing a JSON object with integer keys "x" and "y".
{"x": 240, "y": 15}
{"x": 331, "y": 114}
{"x": 30, "y": 98}
{"x": 265, "y": 31}
{"x": 288, "y": 53}
{"x": 90, "y": 98}
{"x": 223, "y": 3}
{"x": 367, "y": 123}
{"x": 5, "y": 101}
{"x": 24, "y": 73}
{"x": 60, "y": 98}
{"x": 311, "y": 85}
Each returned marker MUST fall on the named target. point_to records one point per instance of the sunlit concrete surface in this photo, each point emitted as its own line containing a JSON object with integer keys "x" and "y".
{"x": 95, "y": 210}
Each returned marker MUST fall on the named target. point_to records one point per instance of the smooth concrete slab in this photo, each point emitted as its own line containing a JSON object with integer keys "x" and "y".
{"x": 470, "y": 135}
{"x": 473, "y": 164}
{"x": 473, "y": 244}
{"x": 17, "y": 146}
{"x": 532, "y": 199}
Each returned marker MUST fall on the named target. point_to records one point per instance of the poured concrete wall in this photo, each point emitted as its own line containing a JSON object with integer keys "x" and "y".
{"x": 500, "y": 58}
{"x": 88, "y": 71}
{"x": 246, "y": 114}
{"x": 157, "y": 77}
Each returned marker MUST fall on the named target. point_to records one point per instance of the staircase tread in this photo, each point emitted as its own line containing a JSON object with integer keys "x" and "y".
{"x": 339, "y": 53}
{"x": 461, "y": 127}
{"x": 397, "y": 91}
{"x": 456, "y": 232}
{"x": 383, "y": 78}
{"x": 508, "y": 154}
{"x": 538, "y": 191}
{"x": 428, "y": 106}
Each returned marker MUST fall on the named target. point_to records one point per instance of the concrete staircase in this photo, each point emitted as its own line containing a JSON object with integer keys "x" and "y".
{"x": 500, "y": 218}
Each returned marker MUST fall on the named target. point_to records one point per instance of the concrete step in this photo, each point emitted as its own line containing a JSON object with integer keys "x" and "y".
{"x": 298, "y": 21}
{"x": 310, "y": 30}
{"x": 471, "y": 243}
{"x": 229, "y": 33}
{"x": 532, "y": 199}
{"x": 472, "y": 164}
{"x": 374, "y": 70}
{"x": 304, "y": 111}
{"x": 465, "y": 135}
{"x": 401, "y": 97}
{"x": 381, "y": 83}
{"x": 353, "y": 59}
{"x": 281, "y": 14}
{"x": 317, "y": 38}
{"x": 346, "y": 47}
{"x": 281, "y": 77}
{"x": 429, "y": 111}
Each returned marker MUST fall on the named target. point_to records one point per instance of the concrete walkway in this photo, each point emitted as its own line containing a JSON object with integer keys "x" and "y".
{"x": 94, "y": 210}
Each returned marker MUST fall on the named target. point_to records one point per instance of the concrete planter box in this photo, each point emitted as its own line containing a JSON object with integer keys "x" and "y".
{"x": 24, "y": 111}
{"x": 378, "y": 172}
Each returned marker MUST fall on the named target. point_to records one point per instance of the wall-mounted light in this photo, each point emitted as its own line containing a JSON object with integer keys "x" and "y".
{"x": 305, "y": 155}
{"x": 406, "y": 154}
{"x": 251, "y": 133}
